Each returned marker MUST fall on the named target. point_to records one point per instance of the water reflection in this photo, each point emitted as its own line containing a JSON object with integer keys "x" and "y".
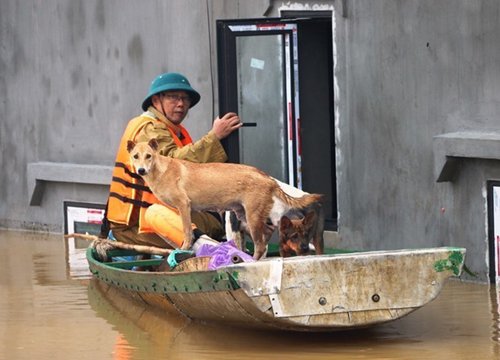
{"x": 43, "y": 313}
{"x": 48, "y": 311}
{"x": 179, "y": 337}
{"x": 446, "y": 327}
{"x": 495, "y": 312}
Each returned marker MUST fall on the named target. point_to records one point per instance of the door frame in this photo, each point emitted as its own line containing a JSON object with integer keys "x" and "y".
{"x": 227, "y": 32}
{"x": 228, "y": 98}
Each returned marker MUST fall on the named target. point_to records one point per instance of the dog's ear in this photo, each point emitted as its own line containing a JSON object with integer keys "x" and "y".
{"x": 130, "y": 145}
{"x": 153, "y": 143}
{"x": 309, "y": 218}
{"x": 285, "y": 223}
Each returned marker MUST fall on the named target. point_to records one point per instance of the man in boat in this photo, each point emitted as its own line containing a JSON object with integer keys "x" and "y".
{"x": 134, "y": 215}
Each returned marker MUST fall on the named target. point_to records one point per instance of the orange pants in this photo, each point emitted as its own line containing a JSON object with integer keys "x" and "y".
{"x": 167, "y": 226}
{"x": 167, "y": 223}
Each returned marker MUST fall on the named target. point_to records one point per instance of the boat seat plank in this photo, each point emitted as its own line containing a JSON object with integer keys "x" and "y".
{"x": 131, "y": 264}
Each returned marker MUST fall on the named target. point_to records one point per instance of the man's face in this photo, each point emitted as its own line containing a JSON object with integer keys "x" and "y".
{"x": 173, "y": 104}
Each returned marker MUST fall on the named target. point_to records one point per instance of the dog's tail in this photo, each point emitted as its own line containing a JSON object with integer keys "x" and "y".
{"x": 303, "y": 201}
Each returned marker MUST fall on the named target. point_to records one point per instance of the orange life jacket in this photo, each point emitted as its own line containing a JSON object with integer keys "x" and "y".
{"x": 125, "y": 183}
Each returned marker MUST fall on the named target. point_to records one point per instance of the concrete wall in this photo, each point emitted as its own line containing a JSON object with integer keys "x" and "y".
{"x": 72, "y": 73}
{"x": 406, "y": 72}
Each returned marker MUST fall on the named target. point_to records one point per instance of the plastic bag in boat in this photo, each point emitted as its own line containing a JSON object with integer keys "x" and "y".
{"x": 223, "y": 254}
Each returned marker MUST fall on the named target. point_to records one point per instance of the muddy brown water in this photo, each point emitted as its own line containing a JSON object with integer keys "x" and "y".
{"x": 51, "y": 310}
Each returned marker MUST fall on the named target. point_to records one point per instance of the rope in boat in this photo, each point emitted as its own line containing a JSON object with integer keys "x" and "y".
{"x": 102, "y": 245}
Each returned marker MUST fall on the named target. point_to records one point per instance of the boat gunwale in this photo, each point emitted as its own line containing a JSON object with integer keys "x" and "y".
{"x": 226, "y": 278}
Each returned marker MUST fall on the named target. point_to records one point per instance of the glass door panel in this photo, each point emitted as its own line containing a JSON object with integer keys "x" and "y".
{"x": 258, "y": 69}
{"x": 261, "y": 99}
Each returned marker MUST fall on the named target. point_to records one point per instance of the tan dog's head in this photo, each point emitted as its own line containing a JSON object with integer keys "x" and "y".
{"x": 142, "y": 155}
{"x": 295, "y": 234}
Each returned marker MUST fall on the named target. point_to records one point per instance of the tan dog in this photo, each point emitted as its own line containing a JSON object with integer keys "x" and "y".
{"x": 187, "y": 186}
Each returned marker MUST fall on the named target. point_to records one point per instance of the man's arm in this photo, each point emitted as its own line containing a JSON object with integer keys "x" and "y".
{"x": 206, "y": 149}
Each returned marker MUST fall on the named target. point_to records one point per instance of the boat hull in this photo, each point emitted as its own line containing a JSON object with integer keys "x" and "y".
{"x": 306, "y": 293}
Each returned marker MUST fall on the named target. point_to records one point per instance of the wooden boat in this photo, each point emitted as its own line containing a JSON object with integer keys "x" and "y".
{"x": 303, "y": 293}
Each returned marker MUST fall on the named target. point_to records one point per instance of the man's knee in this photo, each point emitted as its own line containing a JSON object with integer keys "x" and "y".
{"x": 208, "y": 224}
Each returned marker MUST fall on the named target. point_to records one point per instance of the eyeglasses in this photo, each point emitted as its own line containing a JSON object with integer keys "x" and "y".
{"x": 174, "y": 98}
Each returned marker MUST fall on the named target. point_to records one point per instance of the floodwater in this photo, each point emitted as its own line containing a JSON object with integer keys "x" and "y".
{"x": 51, "y": 310}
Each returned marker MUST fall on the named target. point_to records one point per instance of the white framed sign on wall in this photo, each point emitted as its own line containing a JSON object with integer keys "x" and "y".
{"x": 493, "y": 195}
{"x": 80, "y": 218}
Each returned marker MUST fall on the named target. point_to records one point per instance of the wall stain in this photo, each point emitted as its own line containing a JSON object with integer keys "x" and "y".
{"x": 75, "y": 15}
{"x": 76, "y": 77}
{"x": 100, "y": 15}
{"x": 47, "y": 85}
{"x": 135, "y": 50}
{"x": 18, "y": 59}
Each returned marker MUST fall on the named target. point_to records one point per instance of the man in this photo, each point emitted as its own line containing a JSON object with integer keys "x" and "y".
{"x": 133, "y": 212}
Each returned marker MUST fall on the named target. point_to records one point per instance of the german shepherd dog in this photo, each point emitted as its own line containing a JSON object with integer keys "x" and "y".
{"x": 187, "y": 186}
{"x": 300, "y": 230}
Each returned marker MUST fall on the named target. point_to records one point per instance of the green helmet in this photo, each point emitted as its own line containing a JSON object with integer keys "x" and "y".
{"x": 170, "y": 81}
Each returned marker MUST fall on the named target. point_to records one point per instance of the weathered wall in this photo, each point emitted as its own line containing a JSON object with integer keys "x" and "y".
{"x": 72, "y": 73}
{"x": 408, "y": 71}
